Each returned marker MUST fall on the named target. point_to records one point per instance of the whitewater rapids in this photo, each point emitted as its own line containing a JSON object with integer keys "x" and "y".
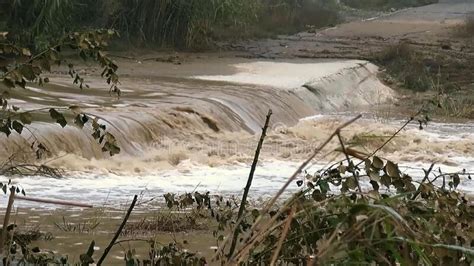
{"x": 195, "y": 126}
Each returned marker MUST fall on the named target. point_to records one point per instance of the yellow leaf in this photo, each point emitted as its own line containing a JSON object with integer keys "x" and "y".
{"x": 26, "y": 52}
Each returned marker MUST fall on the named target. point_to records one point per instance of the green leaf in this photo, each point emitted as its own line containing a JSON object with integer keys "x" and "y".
{"x": 25, "y": 118}
{"x": 324, "y": 186}
{"x": 392, "y": 170}
{"x": 58, "y": 117}
{"x": 375, "y": 185}
{"x": 9, "y": 83}
{"x": 90, "y": 250}
{"x": 26, "y": 52}
{"x": 17, "y": 126}
{"x": 5, "y": 129}
{"x": 3, "y": 35}
{"x": 386, "y": 180}
{"x": 6, "y": 95}
{"x": 111, "y": 148}
{"x": 44, "y": 63}
{"x": 391, "y": 212}
{"x": 317, "y": 195}
{"x": 28, "y": 72}
{"x": 374, "y": 175}
{"x": 96, "y": 134}
{"x": 456, "y": 180}
{"x": 358, "y": 208}
{"x": 95, "y": 125}
{"x": 377, "y": 163}
{"x": 255, "y": 213}
{"x": 21, "y": 83}
{"x": 351, "y": 182}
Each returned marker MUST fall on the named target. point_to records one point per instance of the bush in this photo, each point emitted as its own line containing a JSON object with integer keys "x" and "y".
{"x": 282, "y": 16}
{"x": 403, "y": 63}
{"x": 400, "y": 51}
{"x": 468, "y": 27}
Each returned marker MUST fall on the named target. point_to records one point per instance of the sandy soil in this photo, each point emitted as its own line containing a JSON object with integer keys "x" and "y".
{"x": 429, "y": 27}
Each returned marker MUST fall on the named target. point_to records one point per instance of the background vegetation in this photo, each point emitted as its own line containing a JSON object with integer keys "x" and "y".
{"x": 179, "y": 23}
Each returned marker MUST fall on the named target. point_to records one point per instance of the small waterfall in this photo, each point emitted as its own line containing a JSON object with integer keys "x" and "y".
{"x": 200, "y": 108}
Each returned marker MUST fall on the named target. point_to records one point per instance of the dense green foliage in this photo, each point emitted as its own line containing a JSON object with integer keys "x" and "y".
{"x": 179, "y": 23}
{"x": 37, "y": 23}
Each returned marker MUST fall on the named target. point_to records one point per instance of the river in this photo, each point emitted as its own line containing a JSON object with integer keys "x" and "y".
{"x": 194, "y": 127}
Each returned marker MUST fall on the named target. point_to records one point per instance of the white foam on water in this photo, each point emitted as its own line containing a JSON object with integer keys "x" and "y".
{"x": 282, "y": 74}
{"x": 113, "y": 190}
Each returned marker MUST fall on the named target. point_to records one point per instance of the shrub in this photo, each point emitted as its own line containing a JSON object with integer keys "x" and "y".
{"x": 469, "y": 25}
{"x": 403, "y": 63}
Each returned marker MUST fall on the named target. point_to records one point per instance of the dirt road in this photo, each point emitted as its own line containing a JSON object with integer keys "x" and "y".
{"x": 432, "y": 28}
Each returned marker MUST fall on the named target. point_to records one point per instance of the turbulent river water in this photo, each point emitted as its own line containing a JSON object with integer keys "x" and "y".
{"x": 195, "y": 126}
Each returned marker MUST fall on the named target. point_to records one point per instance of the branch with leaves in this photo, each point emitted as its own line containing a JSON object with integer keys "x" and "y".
{"x": 20, "y": 67}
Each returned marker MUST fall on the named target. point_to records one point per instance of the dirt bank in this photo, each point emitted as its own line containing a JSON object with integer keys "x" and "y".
{"x": 429, "y": 27}
{"x": 432, "y": 30}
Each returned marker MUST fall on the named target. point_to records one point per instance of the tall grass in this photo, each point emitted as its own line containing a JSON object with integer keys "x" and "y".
{"x": 408, "y": 66}
{"x": 36, "y": 22}
{"x": 180, "y": 23}
{"x": 466, "y": 29}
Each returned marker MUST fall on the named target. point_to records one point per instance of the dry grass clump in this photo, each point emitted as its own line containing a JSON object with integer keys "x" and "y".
{"x": 407, "y": 66}
{"x": 400, "y": 51}
{"x": 176, "y": 158}
{"x": 466, "y": 28}
{"x": 165, "y": 222}
{"x": 469, "y": 24}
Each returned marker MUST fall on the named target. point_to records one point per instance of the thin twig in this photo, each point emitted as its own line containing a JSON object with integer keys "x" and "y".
{"x": 392, "y": 137}
{"x": 53, "y": 201}
{"x": 352, "y": 169}
{"x": 427, "y": 174}
{"x": 283, "y": 235}
{"x": 6, "y": 220}
{"x": 119, "y": 230}
{"x": 249, "y": 184}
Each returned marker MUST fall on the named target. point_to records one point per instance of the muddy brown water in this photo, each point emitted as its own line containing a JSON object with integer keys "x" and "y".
{"x": 194, "y": 126}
